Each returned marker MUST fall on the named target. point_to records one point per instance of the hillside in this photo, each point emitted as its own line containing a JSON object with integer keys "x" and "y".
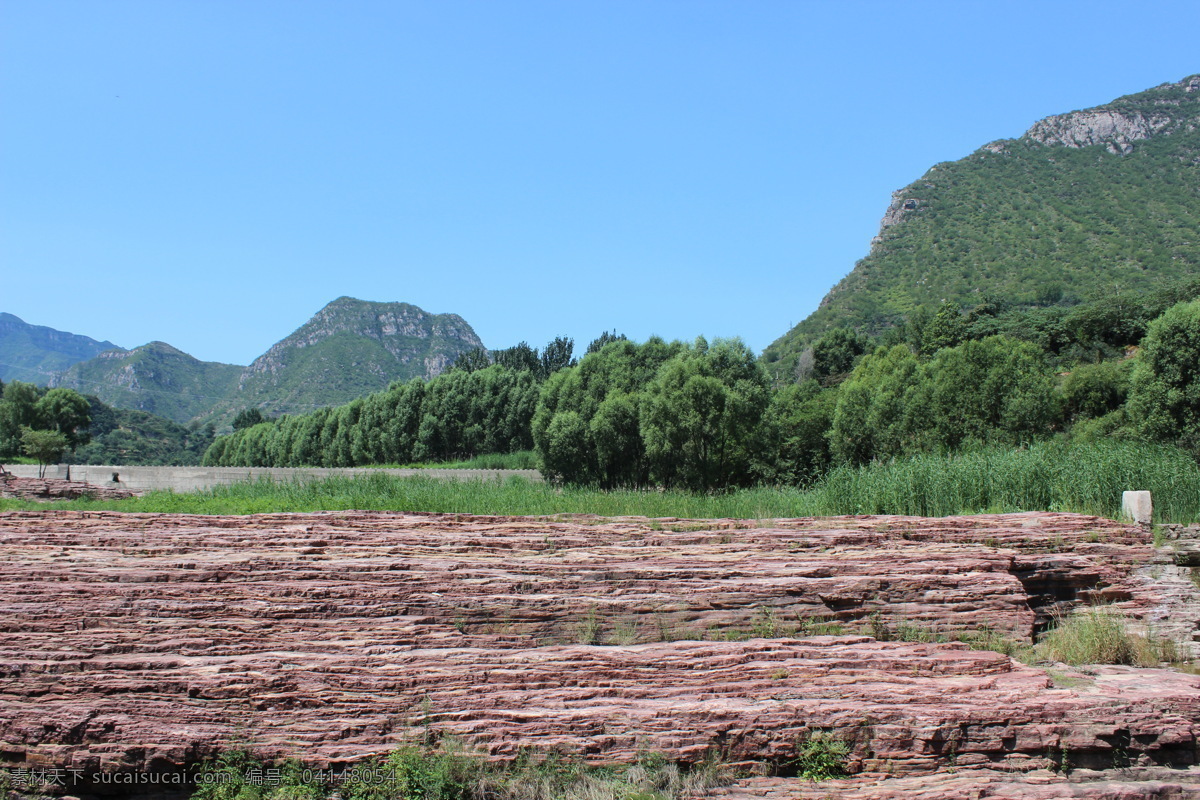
{"x": 1095, "y": 201}
{"x": 155, "y": 377}
{"x": 34, "y": 353}
{"x": 348, "y": 349}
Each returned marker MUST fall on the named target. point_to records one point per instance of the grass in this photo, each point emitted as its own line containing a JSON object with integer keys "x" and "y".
{"x": 524, "y": 459}
{"x": 1046, "y": 476}
{"x": 450, "y": 772}
{"x": 1100, "y": 636}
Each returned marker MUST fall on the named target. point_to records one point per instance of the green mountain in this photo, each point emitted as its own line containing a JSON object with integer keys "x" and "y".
{"x": 1092, "y": 202}
{"x": 348, "y": 349}
{"x": 156, "y": 378}
{"x": 34, "y": 353}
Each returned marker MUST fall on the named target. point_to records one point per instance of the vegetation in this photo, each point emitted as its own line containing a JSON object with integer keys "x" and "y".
{"x": 95, "y": 433}
{"x": 45, "y": 447}
{"x": 1086, "y": 478}
{"x": 449, "y": 772}
{"x": 1042, "y": 226}
{"x": 169, "y": 383}
{"x": 821, "y": 756}
{"x": 1099, "y": 636}
{"x": 474, "y": 409}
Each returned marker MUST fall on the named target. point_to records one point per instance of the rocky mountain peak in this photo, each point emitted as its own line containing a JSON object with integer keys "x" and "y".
{"x": 1159, "y": 111}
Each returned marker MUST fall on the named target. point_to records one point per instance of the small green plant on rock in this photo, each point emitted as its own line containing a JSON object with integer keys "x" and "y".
{"x": 822, "y": 756}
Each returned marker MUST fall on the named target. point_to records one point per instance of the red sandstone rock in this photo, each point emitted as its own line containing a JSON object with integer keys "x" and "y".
{"x": 55, "y": 489}
{"x": 137, "y": 642}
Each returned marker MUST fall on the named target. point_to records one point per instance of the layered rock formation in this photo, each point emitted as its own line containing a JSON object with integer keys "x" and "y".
{"x": 144, "y": 642}
{"x": 55, "y": 489}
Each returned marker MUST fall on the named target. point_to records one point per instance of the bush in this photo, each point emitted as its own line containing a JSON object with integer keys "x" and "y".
{"x": 1165, "y": 393}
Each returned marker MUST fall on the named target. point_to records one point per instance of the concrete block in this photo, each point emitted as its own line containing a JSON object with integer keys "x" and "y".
{"x": 1138, "y": 507}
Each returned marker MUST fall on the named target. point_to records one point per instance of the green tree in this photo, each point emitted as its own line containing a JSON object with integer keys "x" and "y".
{"x": 248, "y": 418}
{"x": 1093, "y": 390}
{"x": 519, "y": 358}
{"x": 796, "y": 425}
{"x": 947, "y": 329}
{"x": 1164, "y": 398}
{"x": 597, "y": 344}
{"x": 835, "y": 354}
{"x": 701, "y": 415}
{"x": 471, "y": 360}
{"x": 556, "y": 355}
{"x": 46, "y": 447}
{"x": 871, "y": 416}
{"x": 17, "y": 411}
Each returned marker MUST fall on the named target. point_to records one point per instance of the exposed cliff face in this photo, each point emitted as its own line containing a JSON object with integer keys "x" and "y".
{"x": 1139, "y": 117}
{"x": 1020, "y": 213}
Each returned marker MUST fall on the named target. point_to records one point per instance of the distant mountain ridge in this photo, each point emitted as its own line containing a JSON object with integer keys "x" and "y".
{"x": 1099, "y": 200}
{"x": 348, "y": 349}
{"x": 35, "y": 353}
{"x": 155, "y": 377}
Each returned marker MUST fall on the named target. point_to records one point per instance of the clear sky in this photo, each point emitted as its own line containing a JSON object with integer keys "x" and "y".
{"x": 210, "y": 173}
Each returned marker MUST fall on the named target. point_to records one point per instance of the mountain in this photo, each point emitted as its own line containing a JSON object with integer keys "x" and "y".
{"x": 1097, "y": 201}
{"x": 155, "y": 377}
{"x": 34, "y": 353}
{"x": 348, "y": 349}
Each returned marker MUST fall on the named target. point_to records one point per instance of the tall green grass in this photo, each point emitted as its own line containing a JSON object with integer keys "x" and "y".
{"x": 1050, "y": 476}
{"x": 1047, "y": 476}
{"x": 522, "y": 459}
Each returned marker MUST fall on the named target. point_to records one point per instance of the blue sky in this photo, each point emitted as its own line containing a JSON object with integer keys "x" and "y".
{"x": 211, "y": 173}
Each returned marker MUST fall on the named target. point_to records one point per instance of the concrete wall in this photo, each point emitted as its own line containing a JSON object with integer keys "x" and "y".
{"x": 190, "y": 479}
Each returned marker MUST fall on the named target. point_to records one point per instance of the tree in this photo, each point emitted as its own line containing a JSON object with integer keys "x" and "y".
{"x": 597, "y": 344}
{"x": 46, "y": 447}
{"x": 248, "y": 418}
{"x": 471, "y": 360}
{"x": 17, "y": 411}
{"x": 519, "y": 358}
{"x": 836, "y": 352}
{"x": 700, "y": 420}
{"x": 947, "y": 329}
{"x": 556, "y": 355}
{"x": 796, "y": 424}
{"x": 1164, "y": 398}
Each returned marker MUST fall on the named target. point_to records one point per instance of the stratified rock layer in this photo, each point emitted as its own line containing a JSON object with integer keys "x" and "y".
{"x": 56, "y": 489}
{"x": 143, "y": 642}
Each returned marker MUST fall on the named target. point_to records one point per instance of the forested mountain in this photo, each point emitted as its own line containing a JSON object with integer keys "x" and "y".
{"x": 351, "y": 348}
{"x": 34, "y": 353}
{"x": 156, "y": 378}
{"x": 1090, "y": 203}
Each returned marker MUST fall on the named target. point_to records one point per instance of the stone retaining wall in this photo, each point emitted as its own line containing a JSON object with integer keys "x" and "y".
{"x": 190, "y": 479}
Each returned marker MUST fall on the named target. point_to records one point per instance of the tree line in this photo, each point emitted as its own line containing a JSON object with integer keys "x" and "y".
{"x": 706, "y": 416}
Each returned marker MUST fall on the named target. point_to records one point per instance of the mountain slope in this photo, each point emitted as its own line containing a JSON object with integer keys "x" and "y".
{"x": 34, "y": 353}
{"x": 348, "y": 349}
{"x": 155, "y": 377}
{"x": 1093, "y": 201}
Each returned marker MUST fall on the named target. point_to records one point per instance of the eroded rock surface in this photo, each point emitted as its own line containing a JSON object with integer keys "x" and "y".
{"x": 143, "y": 642}
{"x": 54, "y": 489}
